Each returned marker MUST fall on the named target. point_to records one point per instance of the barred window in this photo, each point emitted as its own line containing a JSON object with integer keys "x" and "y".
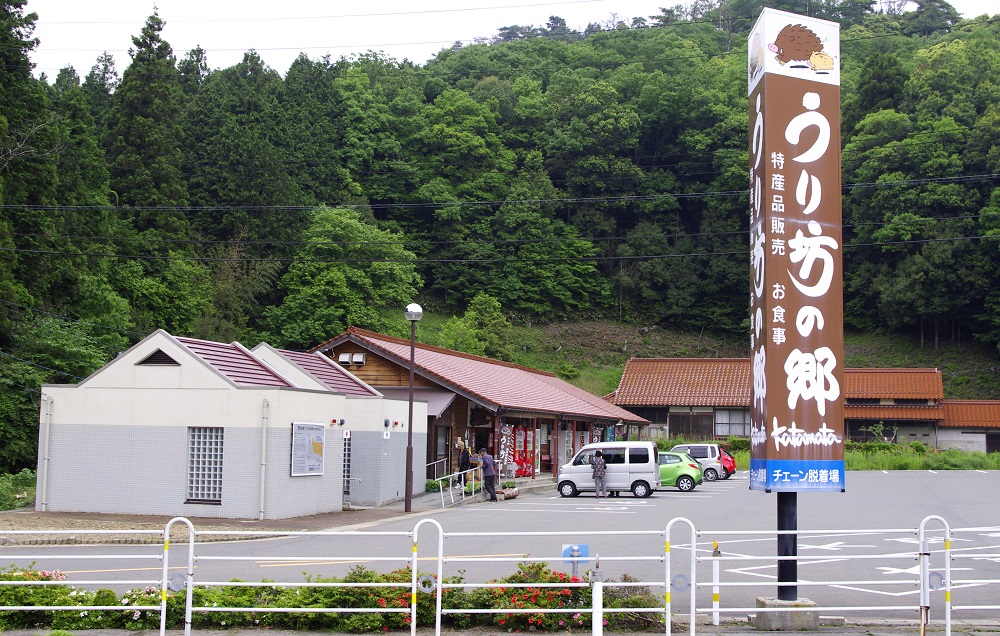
{"x": 347, "y": 466}
{"x": 205, "y": 465}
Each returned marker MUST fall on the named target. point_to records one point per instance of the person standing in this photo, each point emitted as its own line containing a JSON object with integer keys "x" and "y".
{"x": 464, "y": 462}
{"x": 599, "y": 468}
{"x": 489, "y": 473}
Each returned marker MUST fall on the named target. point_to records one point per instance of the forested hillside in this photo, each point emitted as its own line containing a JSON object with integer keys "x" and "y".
{"x": 556, "y": 175}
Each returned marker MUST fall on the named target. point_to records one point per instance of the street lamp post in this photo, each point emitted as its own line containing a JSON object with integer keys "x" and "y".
{"x": 413, "y": 313}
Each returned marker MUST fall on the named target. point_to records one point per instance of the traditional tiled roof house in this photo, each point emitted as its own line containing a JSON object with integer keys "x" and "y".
{"x": 710, "y": 397}
{"x": 530, "y": 419}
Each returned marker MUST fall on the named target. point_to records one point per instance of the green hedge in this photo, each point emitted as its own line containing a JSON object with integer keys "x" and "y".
{"x": 571, "y": 597}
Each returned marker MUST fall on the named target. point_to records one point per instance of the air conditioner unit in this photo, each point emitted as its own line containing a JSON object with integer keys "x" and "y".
{"x": 358, "y": 358}
{"x": 345, "y": 359}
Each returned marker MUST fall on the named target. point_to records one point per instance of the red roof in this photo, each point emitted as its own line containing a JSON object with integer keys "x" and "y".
{"x": 972, "y": 413}
{"x": 726, "y": 382}
{"x": 502, "y": 384}
{"x": 234, "y": 362}
{"x": 684, "y": 382}
{"x": 899, "y": 384}
{"x": 931, "y": 412}
{"x": 331, "y": 374}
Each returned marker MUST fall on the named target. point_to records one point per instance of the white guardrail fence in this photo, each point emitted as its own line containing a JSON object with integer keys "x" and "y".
{"x": 681, "y": 577}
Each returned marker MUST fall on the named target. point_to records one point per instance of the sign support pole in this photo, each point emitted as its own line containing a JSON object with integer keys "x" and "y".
{"x": 788, "y": 511}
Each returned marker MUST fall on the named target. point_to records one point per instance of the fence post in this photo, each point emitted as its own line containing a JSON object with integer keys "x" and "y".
{"x": 437, "y": 583}
{"x": 925, "y": 566}
{"x": 189, "y": 582}
{"x": 666, "y": 579}
{"x": 716, "y": 553}
{"x": 597, "y": 598}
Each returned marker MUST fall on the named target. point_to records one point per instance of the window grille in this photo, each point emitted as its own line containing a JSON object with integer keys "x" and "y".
{"x": 347, "y": 466}
{"x": 205, "y": 464}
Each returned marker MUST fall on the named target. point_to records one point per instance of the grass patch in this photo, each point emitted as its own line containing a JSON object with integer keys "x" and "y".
{"x": 18, "y": 490}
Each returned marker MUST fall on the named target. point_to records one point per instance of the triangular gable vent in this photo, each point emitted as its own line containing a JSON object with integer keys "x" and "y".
{"x": 158, "y": 358}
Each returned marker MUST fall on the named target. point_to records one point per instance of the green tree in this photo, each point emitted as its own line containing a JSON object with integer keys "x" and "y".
{"x": 143, "y": 137}
{"x": 483, "y": 330}
{"x": 28, "y": 160}
{"x": 348, "y": 272}
{"x": 100, "y": 83}
{"x": 42, "y": 350}
{"x": 235, "y": 154}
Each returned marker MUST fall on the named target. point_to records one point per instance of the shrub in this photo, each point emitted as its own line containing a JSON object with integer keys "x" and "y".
{"x": 29, "y": 595}
{"x": 520, "y": 598}
{"x": 623, "y": 597}
{"x": 17, "y": 490}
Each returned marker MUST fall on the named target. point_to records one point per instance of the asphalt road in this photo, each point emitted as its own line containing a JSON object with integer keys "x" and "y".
{"x": 862, "y": 540}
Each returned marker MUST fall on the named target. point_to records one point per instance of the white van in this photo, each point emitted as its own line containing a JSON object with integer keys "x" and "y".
{"x": 630, "y": 466}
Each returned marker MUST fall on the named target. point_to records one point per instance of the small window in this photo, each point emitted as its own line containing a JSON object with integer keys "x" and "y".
{"x": 669, "y": 459}
{"x": 583, "y": 459}
{"x": 638, "y": 455}
{"x": 614, "y": 456}
{"x": 698, "y": 452}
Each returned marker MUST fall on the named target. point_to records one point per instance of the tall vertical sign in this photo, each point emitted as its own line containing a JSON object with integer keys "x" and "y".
{"x": 796, "y": 296}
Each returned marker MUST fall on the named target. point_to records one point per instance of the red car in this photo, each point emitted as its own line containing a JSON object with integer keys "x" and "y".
{"x": 728, "y": 463}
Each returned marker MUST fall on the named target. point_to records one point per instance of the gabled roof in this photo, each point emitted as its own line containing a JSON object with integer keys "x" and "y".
{"x": 684, "y": 382}
{"x": 899, "y": 384}
{"x": 325, "y": 371}
{"x": 493, "y": 384}
{"x": 233, "y": 362}
{"x": 726, "y": 382}
{"x": 971, "y": 413}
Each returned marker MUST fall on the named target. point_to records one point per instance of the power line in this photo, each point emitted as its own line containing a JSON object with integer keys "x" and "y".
{"x": 519, "y": 258}
{"x": 25, "y": 308}
{"x": 29, "y": 362}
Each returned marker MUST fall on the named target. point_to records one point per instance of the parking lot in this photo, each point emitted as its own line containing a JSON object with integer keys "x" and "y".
{"x": 861, "y": 544}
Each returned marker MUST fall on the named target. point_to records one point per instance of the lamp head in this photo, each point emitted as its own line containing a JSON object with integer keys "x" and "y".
{"x": 414, "y": 312}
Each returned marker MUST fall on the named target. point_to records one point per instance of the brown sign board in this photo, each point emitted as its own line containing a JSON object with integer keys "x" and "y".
{"x": 796, "y": 295}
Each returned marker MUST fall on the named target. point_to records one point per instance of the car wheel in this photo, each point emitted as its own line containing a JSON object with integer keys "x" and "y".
{"x": 710, "y": 474}
{"x": 725, "y": 473}
{"x": 568, "y": 489}
{"x": 685, "y": 483}
{"x": 641, "y": 490}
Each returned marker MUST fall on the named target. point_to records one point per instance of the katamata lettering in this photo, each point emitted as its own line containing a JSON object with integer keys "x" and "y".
{"x": 795, "y": 437}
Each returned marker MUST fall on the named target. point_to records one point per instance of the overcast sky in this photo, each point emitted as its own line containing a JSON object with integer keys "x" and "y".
{"x": 75, "y": 32}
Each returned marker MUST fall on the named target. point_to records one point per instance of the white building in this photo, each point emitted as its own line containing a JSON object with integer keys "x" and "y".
{"x": 183, "y": 427}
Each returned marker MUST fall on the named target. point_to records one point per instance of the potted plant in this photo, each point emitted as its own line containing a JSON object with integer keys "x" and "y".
{"x": 509, "y": 489}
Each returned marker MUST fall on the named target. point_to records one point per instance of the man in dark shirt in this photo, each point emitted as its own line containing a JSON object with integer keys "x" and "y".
{"x": 489, "y": 473}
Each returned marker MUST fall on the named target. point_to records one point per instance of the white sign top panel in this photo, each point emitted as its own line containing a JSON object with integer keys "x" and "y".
{"x": 794, "y": 45}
